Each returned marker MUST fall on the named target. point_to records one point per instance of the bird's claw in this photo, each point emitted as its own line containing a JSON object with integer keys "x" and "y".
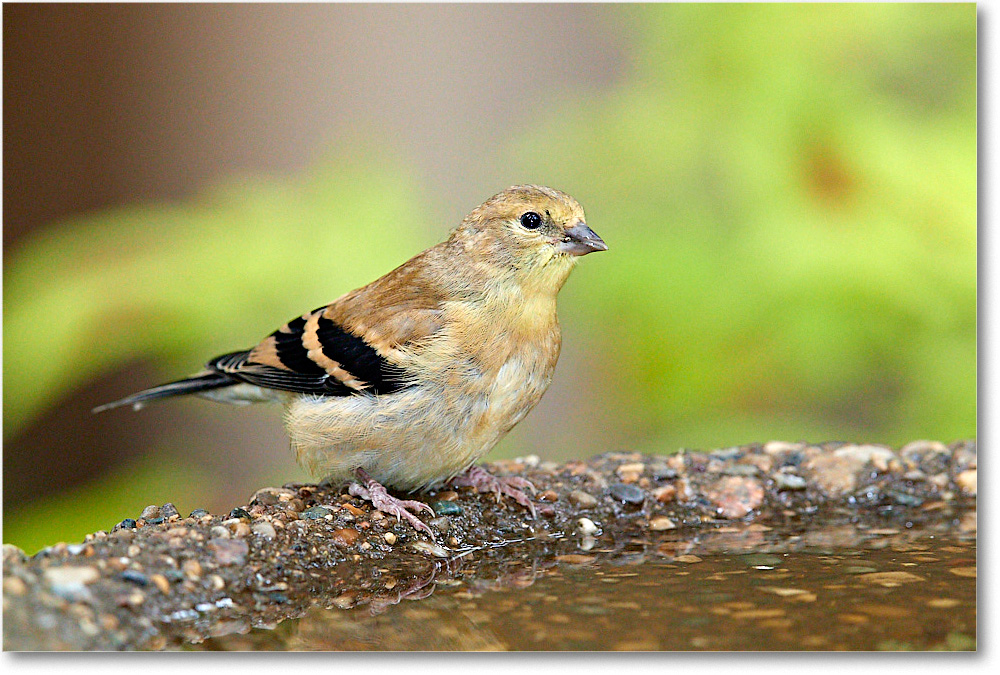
{"x": 380, "y": 498}
{"x": 484, "y": 481}
{"x": 518, "y": 482}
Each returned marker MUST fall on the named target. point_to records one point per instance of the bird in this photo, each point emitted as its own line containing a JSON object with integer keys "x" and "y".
{"x": 406, "y": 382}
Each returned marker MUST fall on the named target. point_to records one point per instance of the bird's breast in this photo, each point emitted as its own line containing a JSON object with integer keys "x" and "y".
{"x": 508, "y": 373}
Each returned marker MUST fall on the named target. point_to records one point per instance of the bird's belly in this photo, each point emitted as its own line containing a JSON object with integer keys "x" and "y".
{"x": 418, "y": 436}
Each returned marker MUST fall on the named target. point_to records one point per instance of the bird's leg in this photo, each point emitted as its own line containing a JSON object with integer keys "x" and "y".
{"x": 370, "y": 489}
{"x": 484, "y": 481}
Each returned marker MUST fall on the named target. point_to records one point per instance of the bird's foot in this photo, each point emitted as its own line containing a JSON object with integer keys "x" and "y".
{"x": 484, "y": 481}
{"x": 370, "y": 489}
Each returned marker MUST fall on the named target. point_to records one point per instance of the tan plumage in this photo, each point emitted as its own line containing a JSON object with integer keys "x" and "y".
{"x": 415, "y": 376}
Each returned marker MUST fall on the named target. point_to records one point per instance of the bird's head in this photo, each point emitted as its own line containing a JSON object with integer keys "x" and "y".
{"x": 533, "y": 232}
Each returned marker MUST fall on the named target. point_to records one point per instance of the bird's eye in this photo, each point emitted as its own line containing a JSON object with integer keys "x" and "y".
{"x": 531, "y": 220}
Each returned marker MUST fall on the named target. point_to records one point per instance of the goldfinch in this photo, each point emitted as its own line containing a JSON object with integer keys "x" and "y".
{"x": 408, "y": 381}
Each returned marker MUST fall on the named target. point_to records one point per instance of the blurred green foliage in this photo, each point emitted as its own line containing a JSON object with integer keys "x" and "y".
{"x": 177, "y": 282}
{"x": 788, "y": 191}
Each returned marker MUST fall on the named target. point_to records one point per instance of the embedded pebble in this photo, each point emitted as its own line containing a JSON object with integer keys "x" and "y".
{"x": 582, "y": 500}
{"x": 835, "y": 475}
{"x": 763, "y": 463}
{"x": 198, "y": 513}
{"x": 660, "y": 523}
{"x": 161, "y": 583}
{"x": 264, "y": 496}
{"x": 967, "y": 481}
{"x": 134, "y": 577}
{"x": 939, "y": 480}
{"x": 446, "y": 508}
{"x": 734, "y": 496}
{"x": 546, "y": 511}
{"x": 586, "y": 526}
{"x": 662, "y": 472}
{"x": 316, "y": 512}
{"x": 346, "y": 535}
{"x": 12, "y": 554}
{"x": 915, "y": 449}
{"x": 878, "y": 455}
{"x": 228, "y": 551}
{"x": 665, "y": 494}
{"x": 237, "y": 526}
{"x": 70, "y": 582}
{"x": 782, "y": 447}
{"x": 441, "y": 524}
{"x": 192, "y": 569}
{"x": 264, "y": 529}
{"x": 14, "y": 586}
{"x": 627, "y": 494}
{"x": 390, "y": 538}
{"x": 732, "y": 452}
{"x": 239, "y": 512}
{"x": 789, "y": 481}
{"x": 965, "y": 455}
{"x": 629, "y": 473}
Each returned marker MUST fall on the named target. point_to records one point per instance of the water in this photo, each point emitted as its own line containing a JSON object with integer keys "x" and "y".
{"x": 833, "y": 586}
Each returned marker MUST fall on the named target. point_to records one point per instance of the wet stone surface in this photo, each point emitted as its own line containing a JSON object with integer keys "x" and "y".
{"x": 745, "y": 548}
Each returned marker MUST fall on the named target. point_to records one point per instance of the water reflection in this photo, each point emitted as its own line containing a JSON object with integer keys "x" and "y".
{"x": 841, "y": 584}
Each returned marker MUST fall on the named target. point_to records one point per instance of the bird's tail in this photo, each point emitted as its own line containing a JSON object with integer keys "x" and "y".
{"x": 190, "y": 385}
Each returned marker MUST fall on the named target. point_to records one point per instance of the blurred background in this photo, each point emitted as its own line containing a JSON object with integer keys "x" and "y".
{"x": 788, "y": 191}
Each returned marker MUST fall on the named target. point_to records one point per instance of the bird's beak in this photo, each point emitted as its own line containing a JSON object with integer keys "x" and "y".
{"x": 581, "y": 240}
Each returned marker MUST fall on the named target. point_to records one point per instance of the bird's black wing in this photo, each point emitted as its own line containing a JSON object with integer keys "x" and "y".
{"x": 313, "y": 355}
